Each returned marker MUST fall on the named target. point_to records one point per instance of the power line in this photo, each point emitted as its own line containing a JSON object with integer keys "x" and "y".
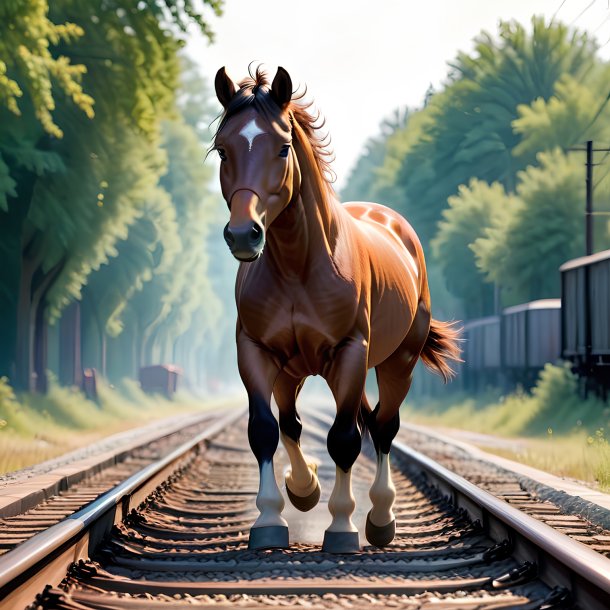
{"x": 592, "y": 121}
{"x": 555, "y": 13}
{"x": 601, "y": 24}
{"x": 582, "y": 12}
{"x": 601, "y": 163}
{"x": 601, "y": 179}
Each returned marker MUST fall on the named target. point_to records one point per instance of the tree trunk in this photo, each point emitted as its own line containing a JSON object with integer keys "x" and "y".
{"x": 70, "y": 364}
{"x": 40, "y": 381}
{"x": 24, "y": 340}
{"x": 93, "y": 334}
{"x": 41, "y": 284}
{"x": 11, "y": 231}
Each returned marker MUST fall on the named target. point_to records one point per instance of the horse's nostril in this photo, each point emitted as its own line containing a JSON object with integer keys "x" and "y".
{"x": 228, "y": 235}
{"x": 256, "y": 234}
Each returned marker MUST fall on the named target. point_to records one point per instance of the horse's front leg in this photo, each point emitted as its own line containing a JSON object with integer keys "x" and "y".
{"x": 346, "y": 376}
{"x": 258, "y": 372}
{"x": 301, "y": 480}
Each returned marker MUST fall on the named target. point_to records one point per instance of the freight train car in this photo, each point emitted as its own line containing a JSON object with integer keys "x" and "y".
{"x": 585, "y": 319}
{"x": 510, "y": 349}
{"x": 530, "y": 337}
{"x": 481, "y": 354}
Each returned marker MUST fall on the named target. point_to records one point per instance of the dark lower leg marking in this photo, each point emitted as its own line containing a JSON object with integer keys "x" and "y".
{"x": 263, "y": 430}
{"x": 344, "y": 442}
{"x": 383, "y": 433}
{"x": 290, "y": 425}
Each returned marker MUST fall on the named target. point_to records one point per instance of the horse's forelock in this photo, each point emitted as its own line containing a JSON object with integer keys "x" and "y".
{"x": 256, "y": 79}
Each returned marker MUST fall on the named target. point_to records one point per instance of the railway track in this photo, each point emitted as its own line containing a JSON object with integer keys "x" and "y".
{"x": 186, "y": 544}
{"x": 38, "y": 497}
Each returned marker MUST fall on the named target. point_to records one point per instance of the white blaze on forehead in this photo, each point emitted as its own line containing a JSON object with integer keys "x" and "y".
{"x": 250, "y": 131}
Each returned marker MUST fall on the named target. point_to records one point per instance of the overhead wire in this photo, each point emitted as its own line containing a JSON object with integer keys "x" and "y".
{"x": 582, "y": 12}
{"x": 592, "y": 121}
{"x": 555, "y": 13}
{"x": 608, "y": 172}
{"x": 601, "y": 24}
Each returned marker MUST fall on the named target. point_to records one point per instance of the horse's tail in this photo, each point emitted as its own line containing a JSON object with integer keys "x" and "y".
{"x": 441, "y": 347}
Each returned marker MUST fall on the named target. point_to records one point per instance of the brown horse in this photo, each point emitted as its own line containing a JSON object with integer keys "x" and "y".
{"x": 323, "y": 289}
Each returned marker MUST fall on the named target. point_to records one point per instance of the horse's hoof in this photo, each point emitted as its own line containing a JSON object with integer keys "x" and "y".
{"x": 341, "y": 542}
{"x": 268, "y": 537}
{"x": 307, "y": 502}
{"x": 380, "y": 535}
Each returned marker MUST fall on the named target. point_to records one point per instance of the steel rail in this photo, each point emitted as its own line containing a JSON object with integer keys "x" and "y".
{"x": 561, "y": 560}
{"x": 92, "y": 465}
{"x": 45, "y": 558}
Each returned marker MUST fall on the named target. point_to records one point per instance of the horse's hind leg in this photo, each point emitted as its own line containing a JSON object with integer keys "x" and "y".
{"x": 302, "y": 484}
{"x": 345, "y": 377}
{"x": 394, "y": 377}
{"x": 258, "y": 372}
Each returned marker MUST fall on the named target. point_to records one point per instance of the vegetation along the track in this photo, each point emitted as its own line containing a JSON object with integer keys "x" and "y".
{"x": 553, "y": 428}
{"x": 37, "y": 427}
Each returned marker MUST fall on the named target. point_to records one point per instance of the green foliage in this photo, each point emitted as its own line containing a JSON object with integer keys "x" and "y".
{"x": 157, "y": 281}
{"x": 475, "y": 208}
{"x": 36, "y": 427}
{"x": 552, "y": 428}
{"x": 500, "y": 119}
{"x": 83, "y": 192}
{"x": 7, "y": 395}
{"x": 566, "y": 119}
{"x": 27, "y": 63}
{"x": 546, "y": 227}
{"x": 471, "y": 134}
{"x": 179, "y": 287}
{"x": 152, "y": 243}
{"x": 7, "y": 185}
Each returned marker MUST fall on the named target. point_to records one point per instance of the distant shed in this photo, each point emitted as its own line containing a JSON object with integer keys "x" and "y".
{"x": 160, "y": 379}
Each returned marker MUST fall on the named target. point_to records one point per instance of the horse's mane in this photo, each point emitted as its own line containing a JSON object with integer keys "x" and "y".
{"x": 255, "y": 91}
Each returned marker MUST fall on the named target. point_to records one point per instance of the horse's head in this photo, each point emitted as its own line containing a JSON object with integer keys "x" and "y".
{"x": 258, "y": 170}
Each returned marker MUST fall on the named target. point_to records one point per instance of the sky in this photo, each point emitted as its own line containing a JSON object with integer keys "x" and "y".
{"x": 360, "y": 60}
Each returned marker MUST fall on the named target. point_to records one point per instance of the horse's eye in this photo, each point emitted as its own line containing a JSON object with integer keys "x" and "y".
{"x": 284, "y": 151}
{"x": 221, "y": 154}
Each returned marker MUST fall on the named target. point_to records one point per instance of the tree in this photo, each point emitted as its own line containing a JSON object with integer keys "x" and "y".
{"x": 125, "y": 56}
{"x": 568, "y": 118}
{"x": 471, "y": 134}
{"x": 475, "y": 208}
{"x": 160, "y": 316}
{"x": 523, "y": 253}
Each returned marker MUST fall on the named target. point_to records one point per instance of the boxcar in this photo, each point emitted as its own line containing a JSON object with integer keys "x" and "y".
{"x": 530, "y": 337}
{"x": 481, "y": 353}
{"x": 585, "y": 294}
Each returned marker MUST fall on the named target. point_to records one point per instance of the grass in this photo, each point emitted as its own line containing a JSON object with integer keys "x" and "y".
{"x": 35, "y": 427}
{"x": 558, "y": 431}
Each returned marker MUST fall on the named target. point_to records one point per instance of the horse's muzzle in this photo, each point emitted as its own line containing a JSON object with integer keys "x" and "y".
{"x": 246, "y": 241}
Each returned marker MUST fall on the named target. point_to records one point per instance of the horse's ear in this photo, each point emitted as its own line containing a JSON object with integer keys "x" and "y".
{"x": 225, "y": 87}
{"x": 281, "y": 88}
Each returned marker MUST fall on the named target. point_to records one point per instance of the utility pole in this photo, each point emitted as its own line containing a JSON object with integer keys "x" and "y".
{"x": 589, "y": 213}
